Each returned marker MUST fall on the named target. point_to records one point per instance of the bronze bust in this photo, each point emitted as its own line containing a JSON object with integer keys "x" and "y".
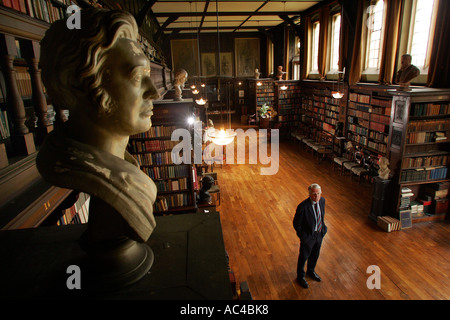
{"x": 100, "y": 74}
{"x": 406, "y": 73}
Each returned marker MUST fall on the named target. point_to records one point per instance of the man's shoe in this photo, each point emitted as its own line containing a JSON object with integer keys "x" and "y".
{"x": 303, "y": 283}
{"x": 314, "y": 276}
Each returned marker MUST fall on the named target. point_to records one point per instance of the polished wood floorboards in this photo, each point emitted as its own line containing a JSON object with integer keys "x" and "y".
{"x": 257, "y": 211}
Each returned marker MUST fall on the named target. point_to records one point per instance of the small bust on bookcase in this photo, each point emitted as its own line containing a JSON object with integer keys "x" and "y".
{"x": 101, "y": 75}
{"x": 180, "y": 79}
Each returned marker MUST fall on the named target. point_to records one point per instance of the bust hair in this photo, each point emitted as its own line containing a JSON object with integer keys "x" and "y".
{"x": 73, "y": 61}
{"x": 179, "y": 75}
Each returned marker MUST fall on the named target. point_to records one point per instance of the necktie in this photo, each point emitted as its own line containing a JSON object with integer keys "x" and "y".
{"x": 318, "y": 217}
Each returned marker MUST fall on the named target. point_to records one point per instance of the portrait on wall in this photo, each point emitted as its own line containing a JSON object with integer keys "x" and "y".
{"x": 246, "y": 56}
{"x": 209, "y": 64}
{"x": 185, "y": 55}
{"x": 226, "y": 64}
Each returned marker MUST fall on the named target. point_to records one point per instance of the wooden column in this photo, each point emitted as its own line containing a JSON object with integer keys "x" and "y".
{"x": 31, "y": 51}
{"x": 21, "y": 139}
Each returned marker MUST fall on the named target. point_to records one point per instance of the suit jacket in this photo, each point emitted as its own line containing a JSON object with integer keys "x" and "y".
{"x": 305, "y": 221}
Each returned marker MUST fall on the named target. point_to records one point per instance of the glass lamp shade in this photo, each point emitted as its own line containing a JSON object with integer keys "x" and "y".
{"x": 221, "y": 137}
{"x": 201, "y": 101}
{"x": 337, "y": 94}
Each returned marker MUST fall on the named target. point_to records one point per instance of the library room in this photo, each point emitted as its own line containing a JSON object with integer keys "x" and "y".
{"x": 189, "y": 150}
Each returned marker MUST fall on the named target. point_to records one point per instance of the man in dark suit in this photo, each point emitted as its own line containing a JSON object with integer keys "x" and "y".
{"x": 310, "y": 227}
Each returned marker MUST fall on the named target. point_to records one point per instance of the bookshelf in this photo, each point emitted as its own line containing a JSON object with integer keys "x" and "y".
{"x": 152, "y": 150}
{"x": 288, "y": 104}
{"x": 420, "y": 149}
{"x": 262, "y": 91}
{"x": 368, "y": 119}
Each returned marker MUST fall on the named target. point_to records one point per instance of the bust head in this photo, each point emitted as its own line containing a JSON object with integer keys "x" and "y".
{"x": 99, "y": 73}
{"x": 180, "y": 77}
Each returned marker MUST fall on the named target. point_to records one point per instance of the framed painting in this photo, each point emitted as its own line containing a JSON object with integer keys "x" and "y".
{"x": 185, "y": 56}
{"x": 209, "y": 64}
{"x": 226, "y": 64}
{"x": 246, "y": 56}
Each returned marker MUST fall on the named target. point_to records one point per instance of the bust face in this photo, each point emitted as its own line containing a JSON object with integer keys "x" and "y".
{"x": 127, "y": 80}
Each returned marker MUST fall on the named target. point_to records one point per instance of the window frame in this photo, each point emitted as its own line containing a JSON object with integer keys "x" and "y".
{"x": 312, "y": 53}
{"x": 332, "y": 73}
{"x": 371, "y": 74}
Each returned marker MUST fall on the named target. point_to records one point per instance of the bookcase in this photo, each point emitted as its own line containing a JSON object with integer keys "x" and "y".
{"x": 152, "y": 150}
{"x": 288, "y": 104}
{"x": 262, "y": 91}
{"x": 368, "y": 118}
{"x": 419, "y": 151}
{"x": 319, "y": 108}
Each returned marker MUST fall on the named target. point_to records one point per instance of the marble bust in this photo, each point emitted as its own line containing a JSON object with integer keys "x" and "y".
{"x": 180, "y": 78}
{"x": 100, "y": 74}
{"x": 384, "y": 170}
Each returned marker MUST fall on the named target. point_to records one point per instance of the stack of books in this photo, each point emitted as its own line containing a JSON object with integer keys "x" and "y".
{"x": 405, "y": 200}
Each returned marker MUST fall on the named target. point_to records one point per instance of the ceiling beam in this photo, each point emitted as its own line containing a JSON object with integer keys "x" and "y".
{"x": 292, "y": 23}
{"x": 163, "y": 27}
{"x": 203, "y": 16}
{"x": 147, "y": 8}
{"x": 224, "y": 14}
{"x": 265, "y": 2}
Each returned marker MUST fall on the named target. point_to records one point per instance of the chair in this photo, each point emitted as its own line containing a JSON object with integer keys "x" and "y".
{"x": 363, "y": 169}
{"x": 215, "y": 189}
{"x": 339, "y": 161}
{"x": 357, "y": 159}
{"x": 324, "y": 145}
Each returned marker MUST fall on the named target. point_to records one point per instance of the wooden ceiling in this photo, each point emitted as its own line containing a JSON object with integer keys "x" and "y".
{"x": 202, "y": 16}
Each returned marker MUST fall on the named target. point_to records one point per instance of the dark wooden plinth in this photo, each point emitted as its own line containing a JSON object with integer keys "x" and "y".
{"x": 189, "y": 262}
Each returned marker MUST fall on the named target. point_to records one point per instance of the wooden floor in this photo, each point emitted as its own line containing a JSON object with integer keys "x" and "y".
{"x": 257, "y": 212}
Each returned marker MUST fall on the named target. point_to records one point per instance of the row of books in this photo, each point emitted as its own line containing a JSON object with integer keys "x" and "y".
{"x": 358, "y": 129}
{"x": 379, "y": 118}
{"x": 361, "y": 139}
{"x": 358, "y": 97}
{"x": 168, "y": 172}
{"x": 4, "y": 125}
{"x": 172, "y": 185}
{"x": 358, "y": 113}
{"x": 156, "y": 159}
{"x": 380, "y": 147}
{"x": 432, "y": 125}
{"x": 379, "y": 136}
{"x": 167, "y": 202}
{"x": 155, "y": 132}
{"x": 23, "y": 80}
{"x": 424, "y": 174}
{"x": 78, "y": 213}
{"x": 380, "y": 127}
{"x": 426, "y": 161}
{"x": 40, "y": 9}
{"x": 381, "y": 110}
{"x": 388, "y": 224}
{"x": 424, "y": 137}
{"x": 429, "y": 109}
{"x": 151, "y": 145}
{"x": 381, "y": 102}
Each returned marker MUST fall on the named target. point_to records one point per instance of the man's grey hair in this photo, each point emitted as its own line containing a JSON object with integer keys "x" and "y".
{"x": 314, "y": 186}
